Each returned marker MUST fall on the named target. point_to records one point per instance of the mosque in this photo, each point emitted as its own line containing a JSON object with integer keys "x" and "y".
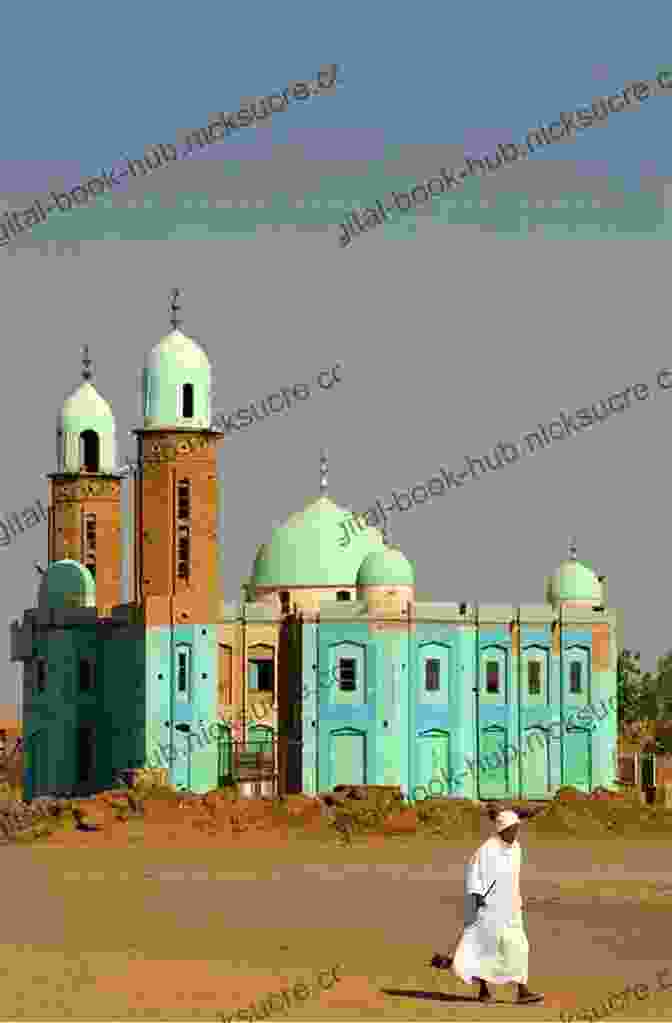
{"x": 350, "y": 679}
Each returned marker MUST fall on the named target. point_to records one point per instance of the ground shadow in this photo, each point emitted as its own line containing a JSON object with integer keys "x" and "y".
{"x": 437, "y": 996}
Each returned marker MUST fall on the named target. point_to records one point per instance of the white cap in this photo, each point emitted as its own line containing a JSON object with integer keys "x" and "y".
{"x": 505, "y": 819}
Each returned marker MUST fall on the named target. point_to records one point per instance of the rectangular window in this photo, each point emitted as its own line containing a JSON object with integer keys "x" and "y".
{"x": 492, "y": 677}
{"x": 183, "y": 552}
{"x": 265, "y": 676}
{"x": 41, "y": 675}
{"x": 89, "y": 558}
{"x": 432, "y": 673}
{"x": 575, "y": 677}
{"x": 183, "y": 500}
{"x": 90, "y": 527}
{"x": 181, "y": 673}
{"x": 187, "y": 401}
{"x": 85, "y": 675}
{"x": 347, "y": 674}
{"x": 534, "y": 678}
{"x": 84, "y": 753}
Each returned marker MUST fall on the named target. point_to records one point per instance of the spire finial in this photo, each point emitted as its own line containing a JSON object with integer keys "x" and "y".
{"x": 175, "y": 308}
{"x": 324, "y": 473}
{"x": 572, "y": 548}
{"x": 86, "y": 363}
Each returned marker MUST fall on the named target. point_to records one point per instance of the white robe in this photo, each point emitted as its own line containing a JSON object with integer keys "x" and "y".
{"x": 494, "y": 945}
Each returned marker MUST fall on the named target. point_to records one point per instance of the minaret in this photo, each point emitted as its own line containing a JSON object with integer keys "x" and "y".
{"x": 85, "y": 491}
{"x": 176, "y": 502}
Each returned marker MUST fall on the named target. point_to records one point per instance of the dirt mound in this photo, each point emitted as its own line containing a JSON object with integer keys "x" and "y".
{"x": 157, "y": 815}
{"x": 568, "y": 794}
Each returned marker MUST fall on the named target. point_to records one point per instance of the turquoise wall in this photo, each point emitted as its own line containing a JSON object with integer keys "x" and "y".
{"x": 135, "y": 706}
{"x": 390, "y": 731}
{"x": 462, "y": 739}
{"x": 192, "y": 758}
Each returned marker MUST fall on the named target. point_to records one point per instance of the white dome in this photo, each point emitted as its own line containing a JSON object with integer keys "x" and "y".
{"x": 85, "y": 404}
{"x": 176, "y": 347}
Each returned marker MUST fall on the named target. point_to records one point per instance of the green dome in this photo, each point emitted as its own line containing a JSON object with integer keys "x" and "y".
{"x": 389, "y": 567}
{"x": 307, "y": 551}
{"x": 575, "y": 580}
{"x": 67, "y": 583}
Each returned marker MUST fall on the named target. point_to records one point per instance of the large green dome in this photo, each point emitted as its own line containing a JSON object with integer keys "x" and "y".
{"x": 575, "y": 580}
{"x": 389, "y": 567}
{"x": 307, "y": 551}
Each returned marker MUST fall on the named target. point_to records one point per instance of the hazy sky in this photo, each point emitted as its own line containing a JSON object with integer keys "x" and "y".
{"x": 466, "y": 323}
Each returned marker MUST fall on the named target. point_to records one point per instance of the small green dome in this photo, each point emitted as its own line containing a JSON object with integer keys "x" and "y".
{"x": 67, "y": 583}
{"x": 307, "y": 550}
{"x": 389, "y": 567}
{"x": 575, "y": 580}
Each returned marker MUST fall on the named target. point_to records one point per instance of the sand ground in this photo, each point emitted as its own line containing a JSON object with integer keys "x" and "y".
{"x": 184, "y": 933}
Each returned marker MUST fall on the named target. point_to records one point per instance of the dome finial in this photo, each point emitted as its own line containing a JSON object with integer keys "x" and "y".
{"x": 86, "y": 364}
{"x": 572, "y": 548}
{"x": 175, "y": 308}
{"x": 324, "y": 473}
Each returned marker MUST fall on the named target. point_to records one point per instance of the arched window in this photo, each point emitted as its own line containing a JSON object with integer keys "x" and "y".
{"x": 89, "y": 451}
{"x": 284, "y": 601}
{"x": 187, "y": 401}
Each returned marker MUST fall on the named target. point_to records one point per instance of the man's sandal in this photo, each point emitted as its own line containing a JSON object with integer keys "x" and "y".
{"x": 528, "y": 999}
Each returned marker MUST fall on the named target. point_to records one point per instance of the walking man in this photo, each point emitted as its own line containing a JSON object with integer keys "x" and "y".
{"x": 493, "y": 948}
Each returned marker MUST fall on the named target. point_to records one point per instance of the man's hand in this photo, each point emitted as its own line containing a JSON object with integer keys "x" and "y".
{"x": 441, "y": 962}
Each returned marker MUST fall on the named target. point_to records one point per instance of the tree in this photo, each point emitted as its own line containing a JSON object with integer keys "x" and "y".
{"x": 630, "y": 688}
{"x": 662, "y": 688}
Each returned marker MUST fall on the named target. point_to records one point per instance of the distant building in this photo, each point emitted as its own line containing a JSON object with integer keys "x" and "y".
{"x": 326, "y": 672}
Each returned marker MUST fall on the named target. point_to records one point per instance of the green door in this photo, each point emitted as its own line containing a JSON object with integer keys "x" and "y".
{"x": 40, "y": 766}
{"x": 494, "y": 768}
{"x": 535, "y": 759}
{"x": 224, "y": 755}
{"x": 433, "y": 763}
{"x": 348, "y": 759}
{"x": 577, "y": 766}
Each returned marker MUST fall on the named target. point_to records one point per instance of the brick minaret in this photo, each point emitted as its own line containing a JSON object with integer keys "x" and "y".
{"x": 85, "y": 492}
{"x": 176, "y": 577}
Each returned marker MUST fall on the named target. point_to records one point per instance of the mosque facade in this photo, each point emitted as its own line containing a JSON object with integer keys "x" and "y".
{"x": 327, "y": 670}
